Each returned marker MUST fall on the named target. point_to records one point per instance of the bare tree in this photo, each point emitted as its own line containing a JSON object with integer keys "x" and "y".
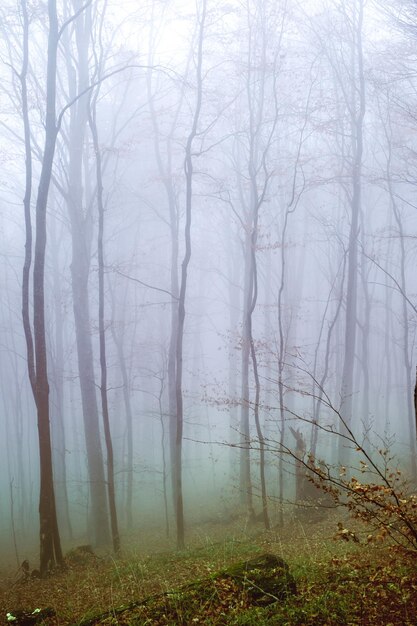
{"x": 92, "y": 120}
{"x": 81, "y": 221}
{"x": 347, "y": 64}
{"x": 189, "y": 179}
{"x": 355, "y": 101}
{"x": 163, "y": 148}
{"x": 50, "y": 544}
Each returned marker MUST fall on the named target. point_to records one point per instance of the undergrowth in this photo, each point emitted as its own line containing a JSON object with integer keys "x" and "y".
{"x": 338, "y": 582}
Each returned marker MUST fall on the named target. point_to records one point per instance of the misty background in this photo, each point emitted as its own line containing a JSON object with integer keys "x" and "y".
{"x": 289, "y": 133}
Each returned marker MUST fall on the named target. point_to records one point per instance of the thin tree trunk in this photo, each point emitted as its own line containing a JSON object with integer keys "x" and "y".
{"x": 189, "y": 171}
{"x": 319, "y": 386}
{"x": 58, "y": 423}
{"x": 357, "y": 107}
{"x": 407, "y": 349}
{"x": 166, "y": 174}
{"x": 164, "y": 462}
{"x": 102, "y": 337}
{"x": 245, "y": 456}
{"x": 261, "y": 439}
{"x": 119, "y": 343}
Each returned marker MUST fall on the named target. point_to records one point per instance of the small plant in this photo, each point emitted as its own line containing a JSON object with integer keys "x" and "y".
{"x": 379, "y": 495}
{"x": 373, "y": 487}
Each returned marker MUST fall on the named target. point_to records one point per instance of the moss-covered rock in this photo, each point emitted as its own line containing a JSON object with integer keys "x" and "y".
{"x": 265, "y": 578}
{"x": 81, "y": 555}
{"x": 257, "y": 582}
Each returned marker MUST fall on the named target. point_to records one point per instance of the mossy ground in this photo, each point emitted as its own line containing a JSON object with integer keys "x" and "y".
{"x": 337, "y": 582}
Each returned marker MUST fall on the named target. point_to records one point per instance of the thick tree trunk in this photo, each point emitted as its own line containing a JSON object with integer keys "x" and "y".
{"x": 81, "y": 238}
{"x": 79, "y": 272}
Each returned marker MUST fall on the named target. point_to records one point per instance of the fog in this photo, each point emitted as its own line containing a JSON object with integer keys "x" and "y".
{"x": 241, "y": 179}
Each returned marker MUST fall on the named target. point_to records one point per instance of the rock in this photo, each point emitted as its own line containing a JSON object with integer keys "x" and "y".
{"x": 265, "y": 578}
{"x": 81, "y": 555}
{"x": 260, "y": 581}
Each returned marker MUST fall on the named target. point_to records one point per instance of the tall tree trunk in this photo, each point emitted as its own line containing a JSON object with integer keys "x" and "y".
{"x": 102, "y": 335}
{"x": 319, "y": 389}
{"x": 57, "y": 379}
{"x": 50, "y": 544}
{"x": 166, "y": 174}
{"x": 81, "y": 238}
{"x": 189, "y": 171}
{"x": 261, "y": 439}
{"x": 245, "y": 456}
{"x": 357, "y": 113}
{"x": 233, "y": 368}
{"x": 118, "y": 339}
{"x": 407, "y": 348}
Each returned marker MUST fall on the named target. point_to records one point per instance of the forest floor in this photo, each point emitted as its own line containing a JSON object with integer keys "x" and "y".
{"x": 338, "y": 582}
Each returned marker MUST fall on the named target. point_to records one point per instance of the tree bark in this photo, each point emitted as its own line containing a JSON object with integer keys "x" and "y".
{"x": 50, "y": 544}
{"x": 81, "y": 238}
